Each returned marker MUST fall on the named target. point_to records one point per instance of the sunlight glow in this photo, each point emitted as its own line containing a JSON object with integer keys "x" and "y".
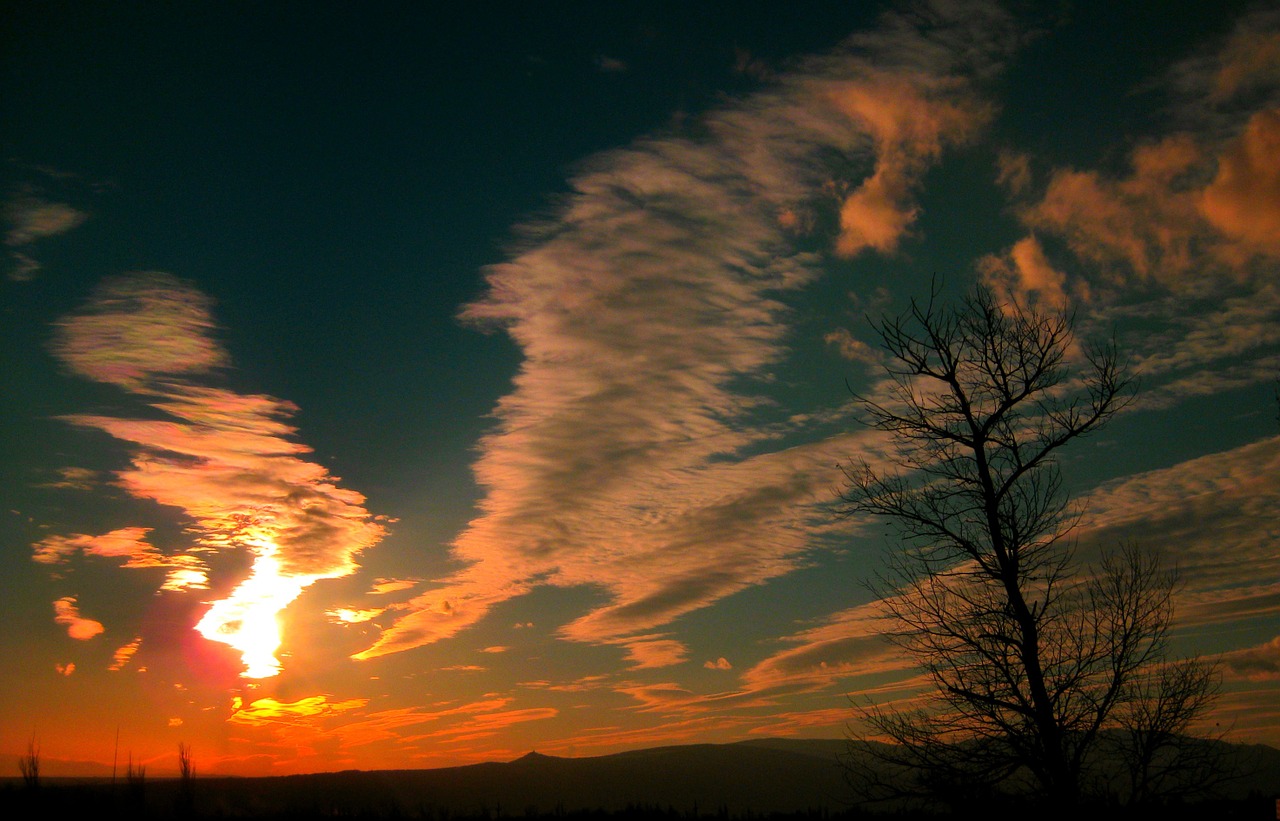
{"x": 248, "y": 618}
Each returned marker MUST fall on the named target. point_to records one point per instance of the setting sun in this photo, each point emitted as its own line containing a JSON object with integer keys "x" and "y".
{"x": 249, "y": 619}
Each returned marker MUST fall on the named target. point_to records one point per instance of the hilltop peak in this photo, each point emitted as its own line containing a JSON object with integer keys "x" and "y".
{"x": 533, "y": 755}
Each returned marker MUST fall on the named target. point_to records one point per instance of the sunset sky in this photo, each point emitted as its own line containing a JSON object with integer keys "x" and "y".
{"x": 394, "y": 385}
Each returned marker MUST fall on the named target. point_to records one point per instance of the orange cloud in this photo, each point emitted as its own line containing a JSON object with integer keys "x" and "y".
{"x": 719, "y": 664}
{"x": 1026, "y": 273}
{"x": 849, "y": 643}
{"x": 909, "y": 122}
{"x": 654, "y": 651}
{"x": 186, "y": 571}
{"x": 124, "y": 654}
{"x": 67, "y": 614}
{"x": 1243, "y": 201}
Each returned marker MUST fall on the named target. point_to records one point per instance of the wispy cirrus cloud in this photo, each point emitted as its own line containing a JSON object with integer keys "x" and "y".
{"x": 649, "y": 309}
{"x": 228, "y": 460}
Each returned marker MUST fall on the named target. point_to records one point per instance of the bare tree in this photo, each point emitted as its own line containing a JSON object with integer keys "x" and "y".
{"x": 135, "y": 778}
{"x": 1043, "y": 670}
{"x": 186, "y": 775}
{"x": 29, "y": 765}
{"x": 186, "y": 765}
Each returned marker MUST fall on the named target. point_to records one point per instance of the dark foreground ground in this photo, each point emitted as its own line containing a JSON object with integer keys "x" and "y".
{"x": 778, "y": 779}
{"x": 162, "y": 800}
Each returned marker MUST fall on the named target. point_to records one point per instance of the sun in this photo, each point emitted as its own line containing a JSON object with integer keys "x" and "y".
{"x": 248, "y": 619}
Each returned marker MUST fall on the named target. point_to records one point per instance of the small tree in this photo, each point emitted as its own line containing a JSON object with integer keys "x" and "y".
{"x": 186, "y": 774}
{"x": 1043, "y": 672}
{"x": 186, "y": 766}
{"x": 29, "y": 765}
{"x": 135, "y": 779}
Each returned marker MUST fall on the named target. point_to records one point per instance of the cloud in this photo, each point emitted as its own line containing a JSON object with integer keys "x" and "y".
{"x": 226, "y": 459}
{"x": 654, "y": 651}
{"x": 384, "y": 586}
{"x": 31, "y": 218}
{"x": 1181, "y": 243}
{"x": 1025, "y": 273}
{"x": 846, "y": 644}
{"x": 1260, "y": 663}
{"x": 186, "y": 570}
{"x": 124, "y": 654}
{"x": 139, "y": 327}
{"x": 853, "y": 349}
{"x": 28, "y": 219}
{"x": 1214, "y": 517}
{"x": 1198, "y": 206}
{"x": 73, "y": 478}
{"x": 67, "y": 614}
{"x": 629, "y": 457}
{"x": 1243, "y": 201}
{"x": 65, "y": 669}
{"x": 610, "y": 65}
{"x": 719, "y": 664}
{"x": 343, "y": 615}
{"x": 269, "y": 711}
{"x": 1013, "y": 171}
{"x": 910, "y": 118}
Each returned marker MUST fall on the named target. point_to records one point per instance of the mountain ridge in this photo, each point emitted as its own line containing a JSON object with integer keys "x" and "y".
{"x": 755, "y": 776}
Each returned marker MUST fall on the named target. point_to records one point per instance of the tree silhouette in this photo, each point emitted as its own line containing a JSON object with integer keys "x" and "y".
{"x": 29, "y": 766}
{"x": 1050, "y": 677}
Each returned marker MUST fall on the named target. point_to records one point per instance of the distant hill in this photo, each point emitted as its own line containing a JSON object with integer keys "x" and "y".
{"x": 757, "y": 777}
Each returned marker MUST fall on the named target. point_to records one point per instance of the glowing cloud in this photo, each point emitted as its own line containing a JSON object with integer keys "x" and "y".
{"x": 268, "y": 711}
{"x": 67, "y": 614}
{"x": 224, "y": 458}
{"x": 124, "y": 654}
{"x": 186, "y": 571}
{"x": 345, "y": 616}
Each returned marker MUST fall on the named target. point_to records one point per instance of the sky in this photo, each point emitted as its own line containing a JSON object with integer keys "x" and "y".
{"x": 393, "y": 386}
